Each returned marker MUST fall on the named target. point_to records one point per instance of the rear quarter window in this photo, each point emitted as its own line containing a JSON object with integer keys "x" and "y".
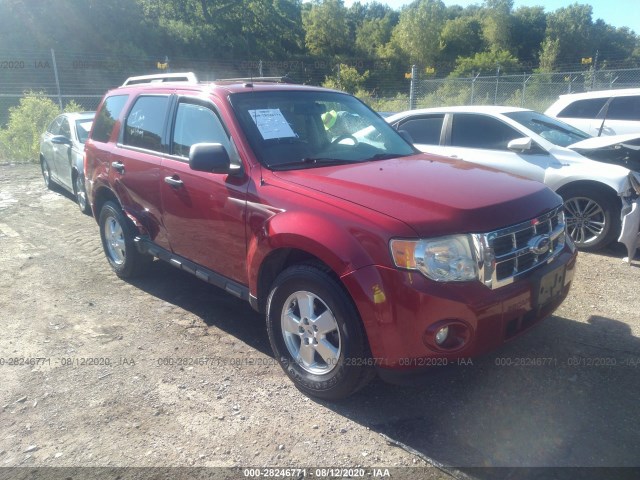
{"x": 583, "y": 108}
{"x": 624, "y": 108}
{"x": 107, "y": 116}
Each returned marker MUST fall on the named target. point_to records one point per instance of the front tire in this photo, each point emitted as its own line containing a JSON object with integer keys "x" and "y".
{"x": 593, "y": 217}
{"x": 316, "y": 334}
{"x": 117, "y": 234}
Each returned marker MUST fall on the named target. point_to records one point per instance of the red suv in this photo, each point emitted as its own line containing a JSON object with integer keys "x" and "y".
{"x": 364, "y": 254}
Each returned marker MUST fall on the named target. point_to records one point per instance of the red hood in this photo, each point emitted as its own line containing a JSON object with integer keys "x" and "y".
{"x": 433, "y": 195}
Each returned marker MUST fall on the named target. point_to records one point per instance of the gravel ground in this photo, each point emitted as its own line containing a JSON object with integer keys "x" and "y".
{"x": 167, "y": 371}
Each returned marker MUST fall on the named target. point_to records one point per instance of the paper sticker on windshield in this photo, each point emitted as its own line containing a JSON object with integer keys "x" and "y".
{"x": 271, "y": 123}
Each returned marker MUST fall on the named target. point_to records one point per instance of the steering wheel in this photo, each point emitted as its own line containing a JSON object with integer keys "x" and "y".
{"x": 346, "y": 136}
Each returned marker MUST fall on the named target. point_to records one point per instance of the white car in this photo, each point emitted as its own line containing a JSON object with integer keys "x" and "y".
{"x": 600, "y": 113}
{"x": 597, "y": 194}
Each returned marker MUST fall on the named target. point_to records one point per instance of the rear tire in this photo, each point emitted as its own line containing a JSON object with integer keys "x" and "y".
{"x": 81, "y": 194}
{"x": 117, "y": 234}
{"x": 593, "y": 217}
{"x": 46, "y": 173}
{"x": 316, "y": 334}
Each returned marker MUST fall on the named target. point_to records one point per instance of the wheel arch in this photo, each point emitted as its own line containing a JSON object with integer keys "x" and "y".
{"x": 588, "y": 185}
{"x": 278, "y": 261}
{"x": 102, "y": 196}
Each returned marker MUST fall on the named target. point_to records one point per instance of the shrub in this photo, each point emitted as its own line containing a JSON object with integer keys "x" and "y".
{"x": 20, "y": 140}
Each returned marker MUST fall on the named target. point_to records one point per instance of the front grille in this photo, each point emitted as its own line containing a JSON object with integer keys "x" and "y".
{"x": 513, "y": 251}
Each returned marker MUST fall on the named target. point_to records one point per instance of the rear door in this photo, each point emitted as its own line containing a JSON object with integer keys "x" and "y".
{"x": 135, "y": 163}
{"x": 204, "y": 213}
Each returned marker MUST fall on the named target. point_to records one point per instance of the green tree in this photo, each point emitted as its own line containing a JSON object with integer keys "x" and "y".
{"x": 529, "y": 25}
{"x": 326, "y": 31}
{"x": 347, "y": 79}
{"x": 372, "y": 35}
{"x": 497, "y": 24}
{"x": 461, "y": 37}
{"x": 615, "y": 45}
{"x": 572, "y": 27}
{"x": 417, "y": 34}
{"x": 549, "y": 54}
{"x": 486, "y": 63}
{"x": 20, "y": 140}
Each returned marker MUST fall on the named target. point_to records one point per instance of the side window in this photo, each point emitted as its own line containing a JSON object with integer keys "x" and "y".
{"x": 479, "y": 131}
{"x": 624, "y": 108}
{"x": 54, "y": 127}
{"x": 107, "y": 116}
{"x": 144, "y": 125}
{"x": 199, "y": 124}
{"x": 65, "y": 130}
{"x": 424, "y": 130}
{"x": 583, "y": 108}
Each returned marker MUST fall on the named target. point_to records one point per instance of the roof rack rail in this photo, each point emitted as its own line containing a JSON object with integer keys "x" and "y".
{"x": 283, "y": 79}
{"x": 188, "y": 77}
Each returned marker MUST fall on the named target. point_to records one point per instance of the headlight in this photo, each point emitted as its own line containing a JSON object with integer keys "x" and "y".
{"x": 444, "y": 259}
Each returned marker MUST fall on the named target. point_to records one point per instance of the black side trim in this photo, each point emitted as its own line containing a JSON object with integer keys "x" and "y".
{"x": 144, "y": 245}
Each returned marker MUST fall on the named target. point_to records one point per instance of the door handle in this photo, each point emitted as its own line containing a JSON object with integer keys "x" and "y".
{"x": 118, "y": 166}
{"x": 174, "y": 181}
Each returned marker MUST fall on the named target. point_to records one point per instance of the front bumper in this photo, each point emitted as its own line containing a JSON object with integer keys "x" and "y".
{"x": 401, "y": 311}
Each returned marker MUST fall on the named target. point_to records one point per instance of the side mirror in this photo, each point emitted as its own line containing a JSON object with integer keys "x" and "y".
{"x": 60, "y": 140}
{"x": 210, "y": 157}
{"x": 520, "y": 144}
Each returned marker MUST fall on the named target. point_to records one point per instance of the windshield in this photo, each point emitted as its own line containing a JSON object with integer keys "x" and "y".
{"x": 305, "y": 129}
{"x": 552, "y": 130}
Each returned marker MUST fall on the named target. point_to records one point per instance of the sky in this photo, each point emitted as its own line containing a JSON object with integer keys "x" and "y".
{"x": 619, "y": 13}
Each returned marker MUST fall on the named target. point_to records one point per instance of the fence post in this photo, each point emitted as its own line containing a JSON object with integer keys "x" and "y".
{"x": 55, "y": 72}
{"x": 473, "y": 86}
{"x": 413, "y": 88}
{"x": 495, "y": 96}
{"x": 524, "y": 87}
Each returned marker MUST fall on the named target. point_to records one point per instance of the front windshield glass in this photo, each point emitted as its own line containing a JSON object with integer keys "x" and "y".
{"x": 304, "y": 129}
{"x": 552, "y": 130}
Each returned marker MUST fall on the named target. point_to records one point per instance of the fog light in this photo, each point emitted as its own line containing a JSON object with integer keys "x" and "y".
{"x": 441, "y": 335}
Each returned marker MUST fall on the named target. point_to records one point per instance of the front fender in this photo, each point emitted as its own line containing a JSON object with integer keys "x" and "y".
{"x": 342, "y": 245}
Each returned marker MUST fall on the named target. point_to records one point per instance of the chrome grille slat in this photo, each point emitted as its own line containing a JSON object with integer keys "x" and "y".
{"x": 502, "y": 265}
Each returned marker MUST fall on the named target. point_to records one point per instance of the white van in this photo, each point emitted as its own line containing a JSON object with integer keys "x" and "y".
{"x": 605, "y": 112}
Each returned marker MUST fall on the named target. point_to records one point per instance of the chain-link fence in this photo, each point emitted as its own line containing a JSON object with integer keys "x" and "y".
{"x": 529, "y": 90}
{"x": 64, "y": 77}
{"x": 386, "y": 86}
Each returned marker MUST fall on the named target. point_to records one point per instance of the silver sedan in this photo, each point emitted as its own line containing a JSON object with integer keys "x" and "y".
{"x": 62, "y": 151}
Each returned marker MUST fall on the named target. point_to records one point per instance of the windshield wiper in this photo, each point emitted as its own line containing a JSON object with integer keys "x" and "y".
{"x": 310, "y": 162}
{"x": 386, "y": 156}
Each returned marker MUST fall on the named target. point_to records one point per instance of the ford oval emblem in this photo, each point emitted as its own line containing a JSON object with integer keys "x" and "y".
{"x": 539, "y": 244}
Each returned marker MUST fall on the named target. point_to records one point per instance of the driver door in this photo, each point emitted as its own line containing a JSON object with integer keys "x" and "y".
{"x": 203, "y": 212}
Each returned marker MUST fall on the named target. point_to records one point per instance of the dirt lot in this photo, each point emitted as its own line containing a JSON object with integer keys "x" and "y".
{"x": 170, "y": 371}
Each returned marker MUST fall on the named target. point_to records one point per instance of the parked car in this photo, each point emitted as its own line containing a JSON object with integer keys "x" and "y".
{"x": 62, "y": 151}
{"x": 604, "y": 112}
{"x": 597, "y": 194}
{"x": 364, "y": 255}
